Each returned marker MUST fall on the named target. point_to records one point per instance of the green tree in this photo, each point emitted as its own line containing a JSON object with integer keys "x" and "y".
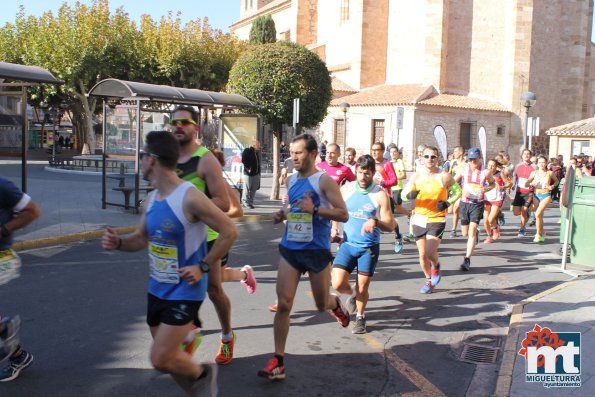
{"x": 271, "y": 76}
{"x": 263, "y": 30}
{"x": 84, "y": 44}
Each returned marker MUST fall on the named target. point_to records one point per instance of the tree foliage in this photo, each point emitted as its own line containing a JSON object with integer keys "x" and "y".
{"x": 263, "y": 30}
{"x": 271, "y": 76}
{"x": 84, "y": 44}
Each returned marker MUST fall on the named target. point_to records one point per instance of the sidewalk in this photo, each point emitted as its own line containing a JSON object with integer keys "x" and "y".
{"x": 71, "y": 205}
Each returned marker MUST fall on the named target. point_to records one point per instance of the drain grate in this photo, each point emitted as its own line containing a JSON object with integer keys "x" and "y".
{"x": 479, "y": 354}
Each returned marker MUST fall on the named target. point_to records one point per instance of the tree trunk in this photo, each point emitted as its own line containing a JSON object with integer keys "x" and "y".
{"x": 87, "y": 118}
{"x": 276, "y": 171}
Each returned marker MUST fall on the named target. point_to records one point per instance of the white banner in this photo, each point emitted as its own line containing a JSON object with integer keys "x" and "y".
{"x": 481, "y": 134}
{"x": 440, "y": 136}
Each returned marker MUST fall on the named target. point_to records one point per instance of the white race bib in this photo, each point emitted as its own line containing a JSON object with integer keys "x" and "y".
{"x": 493, "y": 195}
{"x": 419, "y": 220}
{"x": 163, "y": 262}
{"x": 474, "y": 192}
{"x": 10, "y": 266}
{"x": 299, "y": 227}
{"x": 522, "y": 183}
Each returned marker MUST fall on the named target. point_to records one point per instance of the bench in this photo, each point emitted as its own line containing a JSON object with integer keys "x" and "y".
{"x": 120, "y": 178}
{"x": 128, "y": 190}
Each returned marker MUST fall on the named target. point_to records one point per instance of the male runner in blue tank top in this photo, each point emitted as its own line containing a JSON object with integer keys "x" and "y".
{"x": 314, "y": 200}
{"x": 173, "y": 226}
{"x": 369, "y": 213}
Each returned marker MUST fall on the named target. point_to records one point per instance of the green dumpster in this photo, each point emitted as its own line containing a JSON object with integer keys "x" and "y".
{"x": 583, "y": 219}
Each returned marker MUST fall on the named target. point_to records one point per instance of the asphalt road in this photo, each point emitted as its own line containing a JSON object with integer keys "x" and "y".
{"x": 83, "y": 313}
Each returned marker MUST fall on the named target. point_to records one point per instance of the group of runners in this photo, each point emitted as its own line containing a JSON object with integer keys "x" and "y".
{"x": 187, "y": 228}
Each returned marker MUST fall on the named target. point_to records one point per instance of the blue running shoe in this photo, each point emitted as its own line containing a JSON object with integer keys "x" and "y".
{"x": 522, "y": 233}
{"x": 435, "y": 275}
{"x": 15, "y": 366}
{"x": 466, "y": 265}
{"x": 427, "y": 288}
{"x": 398, "y": 244}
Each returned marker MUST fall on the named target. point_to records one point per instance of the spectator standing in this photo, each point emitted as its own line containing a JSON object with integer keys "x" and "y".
{"x": 251, "y": 161}
{"x": 322, "y": 150}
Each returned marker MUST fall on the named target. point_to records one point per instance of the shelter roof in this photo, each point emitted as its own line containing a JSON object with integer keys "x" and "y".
{"x": 34, "y": 74}
{"x": 585, "y": 127}
{"x": 121, "y": 89}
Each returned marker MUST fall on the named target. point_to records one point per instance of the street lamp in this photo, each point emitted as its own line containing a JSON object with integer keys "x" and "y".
{"x": 528, "y": 99}
{"x": 344, "y": 106}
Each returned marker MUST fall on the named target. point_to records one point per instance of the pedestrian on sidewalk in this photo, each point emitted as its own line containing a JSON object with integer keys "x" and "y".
{"x": 251, "y": 160}
{"x": 173, "y": 226}
{"x": 17, "y": 210}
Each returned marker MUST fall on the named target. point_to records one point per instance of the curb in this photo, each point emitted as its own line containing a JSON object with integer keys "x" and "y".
{"x": 504, "y": 382}
{"x": 96, "y": 234}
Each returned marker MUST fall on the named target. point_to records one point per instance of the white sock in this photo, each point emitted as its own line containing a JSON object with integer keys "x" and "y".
{"x": 227, "y": 337}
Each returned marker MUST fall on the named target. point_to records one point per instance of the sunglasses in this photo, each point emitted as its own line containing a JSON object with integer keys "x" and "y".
{"x": 184, "y": 122}
{"x": 433, "y": 156}
{"x": 142, "y": 154}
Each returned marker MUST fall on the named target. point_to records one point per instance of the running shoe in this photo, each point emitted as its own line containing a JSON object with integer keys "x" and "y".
{"x": 539, "y": 239}
{"x": 274, "y": 307}
{"x": 273, "y": 370}
{"x": 488, "y": 240}
{"x": 522, "y": 233}
{"x": 225, "y": 354}
{"x": 496, "y": 233}
{"x": 435, "y": 275}
{"x": 340, "y": 312}
{"x": 192, "y": 341}
{"x": 15, "y": 366}
{"x": 398, "y": 244}
{"x": 532, "y": 220}
{"x": 360, "y": 326}
{"x": 466, "y": 264}
{"x": 206, "y": 386}
{"x": 250, "y": 281}
{"x": 453, "y": 234}
{"x": 351, "y": 304}
{"x": 427, "y": 288}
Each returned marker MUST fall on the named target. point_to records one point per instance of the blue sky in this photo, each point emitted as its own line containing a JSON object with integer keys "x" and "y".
{"x": 221, "y": 13}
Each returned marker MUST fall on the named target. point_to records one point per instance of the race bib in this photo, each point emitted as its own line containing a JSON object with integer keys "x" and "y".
{"x": 10, "y": 266}
{"x": 163, "y": 262}
{"x": 474, "y": 192}
{"x": 522, "y": 183}
{"x": 299, "y": 227}
{"x": 419, "y": 220}
{"x": 493, "y": 195}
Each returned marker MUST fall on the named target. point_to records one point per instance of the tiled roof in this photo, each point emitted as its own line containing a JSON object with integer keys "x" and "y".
{"x": 339, "y": 85}
{"x": 584, "y": 127}
{"x": 384, "y": 95}
{"x": 412, "y": 94}
{"x": 463, "y": 102}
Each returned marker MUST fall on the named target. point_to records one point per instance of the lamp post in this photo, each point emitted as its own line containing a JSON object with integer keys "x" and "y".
{"x": 344, "y": 106}
{"x": 528, "y": 99}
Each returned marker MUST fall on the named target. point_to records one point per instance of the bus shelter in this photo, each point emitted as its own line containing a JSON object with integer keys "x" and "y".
{"x": 13, "y": 106}
{"x": 132, "y": 109}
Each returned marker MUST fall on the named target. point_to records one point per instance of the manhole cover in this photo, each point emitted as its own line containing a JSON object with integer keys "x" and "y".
{"x": 479, "y": 354}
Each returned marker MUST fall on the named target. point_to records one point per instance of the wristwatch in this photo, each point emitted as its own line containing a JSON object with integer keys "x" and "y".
{"x": 315, "y": 210}
{"x": 204, "y": 266}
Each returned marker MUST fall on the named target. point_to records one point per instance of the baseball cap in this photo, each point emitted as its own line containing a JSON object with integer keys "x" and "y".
{"x": 473, "y": 153}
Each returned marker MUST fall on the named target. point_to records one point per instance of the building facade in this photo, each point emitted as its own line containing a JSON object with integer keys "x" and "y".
{"x": 470, "y": 60}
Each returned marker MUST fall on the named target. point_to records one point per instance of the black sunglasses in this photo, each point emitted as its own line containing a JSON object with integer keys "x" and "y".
{"x": 433, "y": 156}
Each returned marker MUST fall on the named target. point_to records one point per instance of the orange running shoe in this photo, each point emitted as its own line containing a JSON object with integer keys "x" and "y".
{"x": 225, "y": 354}
{"x": 273, "y": 370}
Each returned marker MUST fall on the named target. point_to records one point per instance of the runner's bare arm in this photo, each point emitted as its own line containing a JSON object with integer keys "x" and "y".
{"x": 197, "y": 206}
{"x": 23, "y": 217}
{"x": 338, "y": 211}
{"x": 386, "y": 220}
{"x": 210, "y": 171}
{"x": 133, "y": 242}
{"x": 530, "y": 179}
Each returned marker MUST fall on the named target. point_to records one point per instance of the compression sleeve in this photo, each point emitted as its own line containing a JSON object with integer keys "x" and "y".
{"x": 455, "y": 193}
